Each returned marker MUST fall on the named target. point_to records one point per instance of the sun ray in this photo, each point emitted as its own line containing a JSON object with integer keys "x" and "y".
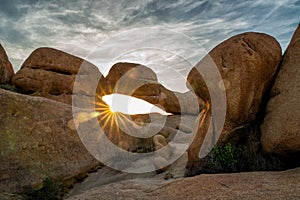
{"x": 119, "y": 120}
{"x": 106, "y": 120}
{"x": 113, "y": 122}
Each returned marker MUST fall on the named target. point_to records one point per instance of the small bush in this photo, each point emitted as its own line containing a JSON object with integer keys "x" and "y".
{"x": 9, "y": 87}
{"x": 242, "y": 153}
{"x": 225, "y": 158}
{"x": 229, "y": 158}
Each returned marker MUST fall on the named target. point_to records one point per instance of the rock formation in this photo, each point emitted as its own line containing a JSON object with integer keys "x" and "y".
{"x": 6, "y": 69}
{"x": 51, "y": 73}
{"x": 141, "y": 82}
{"x": 247, "y": 64}
{"x": 36, "y": 142}
{"x": 135, "y": 132}
{"x": 281, "y": 127}
{"x": 42, "y": 138}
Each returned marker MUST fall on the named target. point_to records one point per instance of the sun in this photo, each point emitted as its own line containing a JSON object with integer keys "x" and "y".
{"x": 112, "y": 110}
{"x": 109, "y": 103}
{"x": 130, "y": 105}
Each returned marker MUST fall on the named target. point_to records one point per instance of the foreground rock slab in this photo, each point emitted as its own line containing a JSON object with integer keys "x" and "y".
{"x": 250, "y": 185}
{"x": 106, "y": 175}
{"x": 36, "y": 143}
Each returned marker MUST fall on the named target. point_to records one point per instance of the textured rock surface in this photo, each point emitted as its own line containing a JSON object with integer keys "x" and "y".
{"x": 6, "y": 69}
{"x": 35, "y": 142}
{"x": 281, "y": 127}
{"x": 106, "y": 175}
{"x": 251, "y": 185}
{"x": 141, "y": 82}
{"x": 51, "y": 73}
{"x": 247, "y": 64}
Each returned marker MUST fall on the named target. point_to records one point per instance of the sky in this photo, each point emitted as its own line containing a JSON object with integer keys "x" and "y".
{"x": 169, "y": 36}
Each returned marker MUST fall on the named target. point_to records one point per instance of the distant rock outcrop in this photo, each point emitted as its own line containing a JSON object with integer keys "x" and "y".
{"x": 51, "y": 73}
{"x": 141, "y": 82}
{"x": 281, "y": 127}
{"x": 6, "y": 69}
{"x": 36, "y": 142}
{"x": 247, "y": 63}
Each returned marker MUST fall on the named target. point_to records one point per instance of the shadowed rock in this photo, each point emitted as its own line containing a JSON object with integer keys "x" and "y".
{"x": 6, "y": 69}
{"x": 36, "y": 142}
{"x": 281, "y": 127}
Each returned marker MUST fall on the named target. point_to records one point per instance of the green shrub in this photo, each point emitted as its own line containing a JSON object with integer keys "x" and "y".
{"x": 229, "y": 158}
{"x": 242, "y": 153}
{"x": 9, "y": 87}
{"x": 225, "y": 158}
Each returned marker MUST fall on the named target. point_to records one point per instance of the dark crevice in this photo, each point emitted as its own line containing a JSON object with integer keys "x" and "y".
{"x": 270, "y": 92}
{"x": 224, "y": 64}
{"x": 249, "y": 46}
{"x": 64, "y": 72}
{"x": 55, "y": 93}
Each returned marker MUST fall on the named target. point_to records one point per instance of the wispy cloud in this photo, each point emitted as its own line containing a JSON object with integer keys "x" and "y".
{"x": 80, "y": 27}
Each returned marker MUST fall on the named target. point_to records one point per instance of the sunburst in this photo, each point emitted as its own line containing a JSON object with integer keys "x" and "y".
{"x": 116, "y": 125}
{"x": 109, "y": 119}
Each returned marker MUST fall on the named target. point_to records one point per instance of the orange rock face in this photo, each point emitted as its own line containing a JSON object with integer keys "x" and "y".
{"x": 141, "y": 82}
{"x": 247, "y": 64}
{"x": 51, "y": 73}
